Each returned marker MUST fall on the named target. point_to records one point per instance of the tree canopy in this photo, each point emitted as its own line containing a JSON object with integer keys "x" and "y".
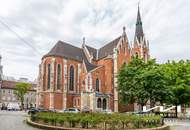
{"x": 20, "y": 90}
{"x": 141, "y": 81}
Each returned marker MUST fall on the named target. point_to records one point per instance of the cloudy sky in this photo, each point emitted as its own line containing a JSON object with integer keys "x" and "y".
{"x": 30, "y": 28}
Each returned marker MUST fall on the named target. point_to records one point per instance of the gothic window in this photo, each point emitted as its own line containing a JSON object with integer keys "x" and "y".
{"x": 144, "y": 55}
{"x": 58, "y": 76}
{"x": 78, "y": 102}
{"x": 97, "y": 85}
{"x": 48, "y": 80}
{"x": 71, "y": 79}
{"x": 136, "y": 54}
{"x": 104, "y": 104}
{"x": 120, "y": 48}
{"x": 99, "y": 103}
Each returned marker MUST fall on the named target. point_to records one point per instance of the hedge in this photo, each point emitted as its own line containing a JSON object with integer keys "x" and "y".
{"x": 98, "y": 120}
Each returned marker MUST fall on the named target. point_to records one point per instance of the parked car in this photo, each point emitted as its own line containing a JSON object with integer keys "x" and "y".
{"x": 138, "y": 113}
{"x": 71, "y": 110}
{"x": 13, "y": 107}
{"x": 107, "y": 111}
{"x": 52, "y": 110}
{"x": 35, "y": 110}
{"x": 85, "y": 110}
{"x": 3, "y": 108}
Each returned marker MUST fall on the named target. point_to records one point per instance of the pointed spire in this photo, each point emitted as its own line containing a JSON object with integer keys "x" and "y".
{"x": 124, "y": 33}
{"x": 139, "y": 29}
{"x": 83, "y": 42}
{"x": 124, "y": 29}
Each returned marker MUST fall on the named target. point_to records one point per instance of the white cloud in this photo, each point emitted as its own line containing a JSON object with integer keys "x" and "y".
{"x": 42, "y": 23}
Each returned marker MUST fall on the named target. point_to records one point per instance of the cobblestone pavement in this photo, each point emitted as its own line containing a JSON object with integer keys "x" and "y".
{"x": 178, "y": 124}
{"x": 14, "y": 120}
{"x": 11, "y": 120}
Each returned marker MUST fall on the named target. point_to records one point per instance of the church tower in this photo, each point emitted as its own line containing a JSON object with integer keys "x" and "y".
{"x": 140, "y": 44}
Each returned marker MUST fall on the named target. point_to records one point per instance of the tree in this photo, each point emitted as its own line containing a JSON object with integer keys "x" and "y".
{"x": 141, "y": 81}
{"x": 154, "y": 82}
{"x": 130, "y": 89}
{"x": 20, "y": 90}
{"x": 178, "y": 80}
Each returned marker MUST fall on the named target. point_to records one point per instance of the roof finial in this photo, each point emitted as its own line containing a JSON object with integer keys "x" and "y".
{"x": 83, "y": 40}
{"x": 124, "y": 29}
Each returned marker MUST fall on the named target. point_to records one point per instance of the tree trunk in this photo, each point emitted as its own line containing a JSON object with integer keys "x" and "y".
{"x": 141, "y": 107}
{"x": 22, "y": 104}
{"x": 176, "y": 110}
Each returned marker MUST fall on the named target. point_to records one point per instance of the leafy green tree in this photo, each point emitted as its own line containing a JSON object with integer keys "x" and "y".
{"x": 154, "y": 82}
{"x": 178, "y": 80}
{"x": 130, "y": 89}
{"x": 141, "y": 81}
{"x": 20, "y": 90}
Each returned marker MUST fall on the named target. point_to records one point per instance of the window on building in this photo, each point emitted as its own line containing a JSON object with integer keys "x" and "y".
{"x": 74, "y": 102}
{"x": 71, "y": 79}
{"x": 78, "y": 102}
{"x": 104, "y": 104}
{"x": 136, "y": 54}
{"x": 48, "y": 80}
{"x": 58, "y": 76}
{"x": 120, "y": 48}
{"x": 97, "y": 85}
{"x": 99, "y": 103}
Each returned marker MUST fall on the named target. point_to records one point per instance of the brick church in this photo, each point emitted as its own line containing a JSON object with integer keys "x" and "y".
{"x": 85, "y": 77}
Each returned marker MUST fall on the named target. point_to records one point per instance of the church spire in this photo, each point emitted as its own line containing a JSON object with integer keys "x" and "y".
{"x": 139, "y": 29}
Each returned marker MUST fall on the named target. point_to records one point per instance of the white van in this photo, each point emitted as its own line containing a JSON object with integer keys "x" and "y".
{"x": 13, "y": 107}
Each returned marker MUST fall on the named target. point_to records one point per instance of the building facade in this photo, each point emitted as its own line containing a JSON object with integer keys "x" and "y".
{"x": 83, "y": 77}
{"x": 7, "y": 88}
{"x": 7, "y": 95}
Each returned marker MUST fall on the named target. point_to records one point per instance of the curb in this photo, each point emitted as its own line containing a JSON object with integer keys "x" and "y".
{"x": 42, "y": 126}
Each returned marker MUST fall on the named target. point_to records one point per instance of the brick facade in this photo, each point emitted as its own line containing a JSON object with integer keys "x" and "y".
{"x": 87, "y": 77}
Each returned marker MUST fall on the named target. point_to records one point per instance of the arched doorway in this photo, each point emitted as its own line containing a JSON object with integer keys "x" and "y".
{"x": 99, "y": 103}
{"x": 104, "y": 104}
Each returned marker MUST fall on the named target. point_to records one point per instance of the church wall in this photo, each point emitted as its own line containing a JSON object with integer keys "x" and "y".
{"x": 99, "y": 73}
{"x": 58, "y": 101}
{"x": 46, "y": 98}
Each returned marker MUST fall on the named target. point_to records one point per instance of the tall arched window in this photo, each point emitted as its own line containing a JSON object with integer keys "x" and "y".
{"x": 136, "y": 54}
{"x": 58, "y": 76}
{"x": 99, "y": 103}
{"x": 104, "y": 104}
{"x": 48, "y": 75}
{"x": 97, "y": 85}
{"x": 71, "y": 79}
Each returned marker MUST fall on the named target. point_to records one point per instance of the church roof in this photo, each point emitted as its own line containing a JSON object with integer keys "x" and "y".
{"x": 89, "y": 66}
{"x": 108, "y": 48}
{"x": 92, "y": 50}
{"x": 66, "y": 50}
{"x": 105, "y": 50}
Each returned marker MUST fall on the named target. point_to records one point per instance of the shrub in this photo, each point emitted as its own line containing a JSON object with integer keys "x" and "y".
{"x": 113, "y": 121}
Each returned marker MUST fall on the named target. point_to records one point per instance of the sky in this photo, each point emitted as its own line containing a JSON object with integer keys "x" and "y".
{"x": 30, "y": 28}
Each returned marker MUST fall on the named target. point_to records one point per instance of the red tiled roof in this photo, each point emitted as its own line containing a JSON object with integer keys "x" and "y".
{"x": 6, "y": 84}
